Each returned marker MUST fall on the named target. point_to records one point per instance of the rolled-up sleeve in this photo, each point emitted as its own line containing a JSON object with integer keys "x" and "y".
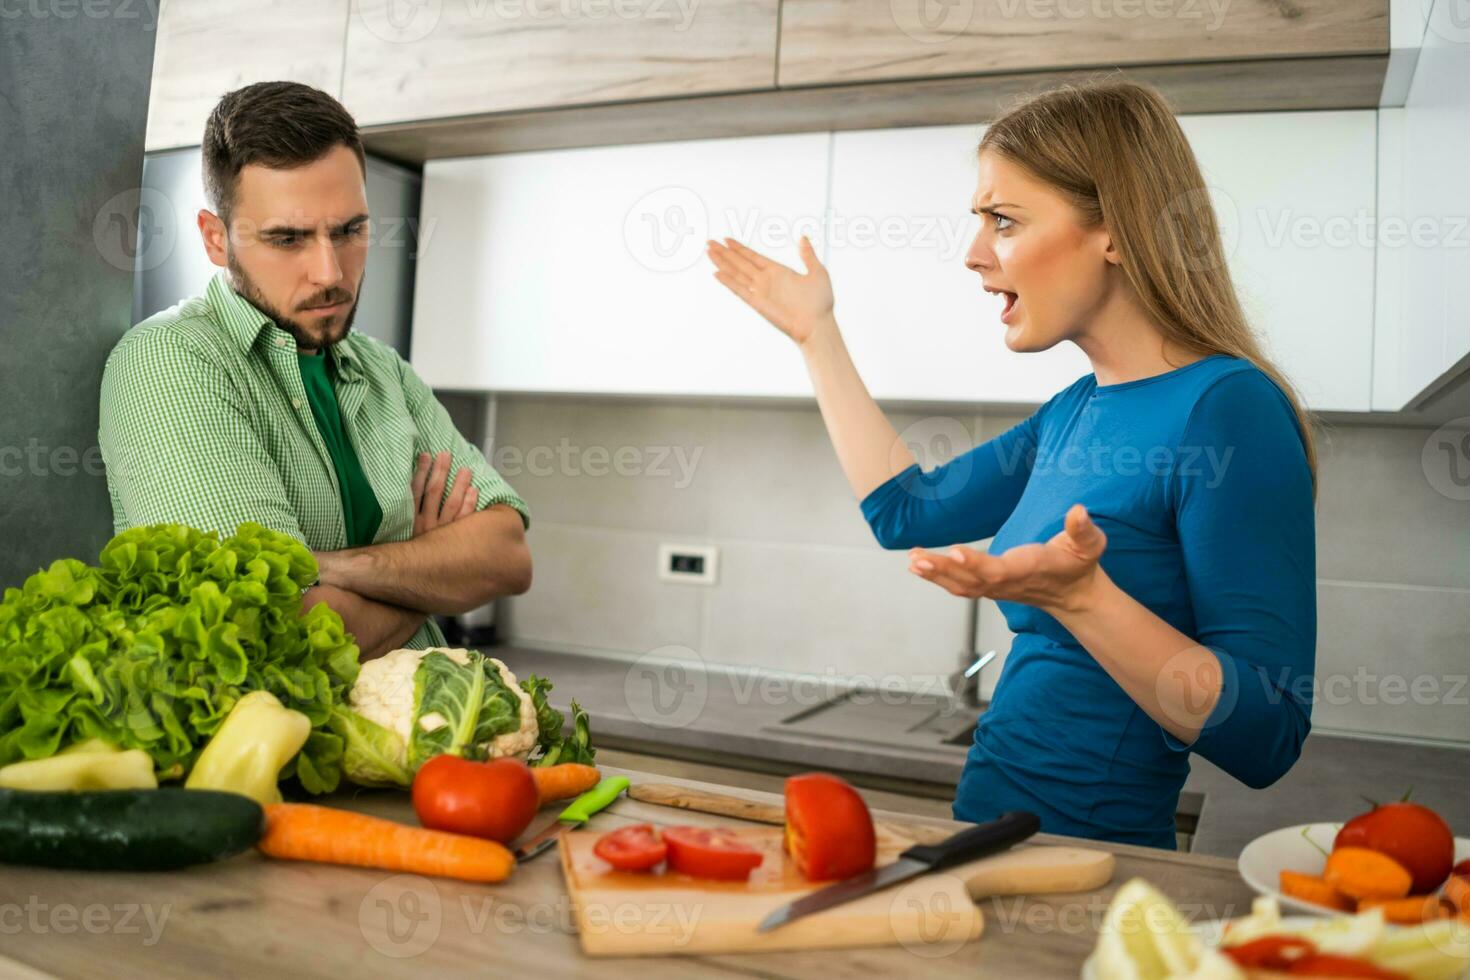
{"x": 1242, "y": 493}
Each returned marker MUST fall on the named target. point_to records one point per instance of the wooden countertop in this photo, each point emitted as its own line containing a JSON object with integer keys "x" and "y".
{"x": 253, "y": 917}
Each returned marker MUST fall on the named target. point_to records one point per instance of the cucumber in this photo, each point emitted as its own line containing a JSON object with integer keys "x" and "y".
{"x": 126, "y": 829}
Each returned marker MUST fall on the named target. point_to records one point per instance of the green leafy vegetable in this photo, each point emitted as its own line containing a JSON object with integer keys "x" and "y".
{"x": 151, "y": 648}
{"x": 553, "y": 745}
{"x": 459, "y": 708}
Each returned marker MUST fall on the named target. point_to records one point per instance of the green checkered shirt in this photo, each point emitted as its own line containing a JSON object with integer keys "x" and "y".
{"x": 205, "y": 422}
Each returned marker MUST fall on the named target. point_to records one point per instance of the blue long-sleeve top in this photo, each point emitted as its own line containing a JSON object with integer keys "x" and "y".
{"x": 1200, "y": 480}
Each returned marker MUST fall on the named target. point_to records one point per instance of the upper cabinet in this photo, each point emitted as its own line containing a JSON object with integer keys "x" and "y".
{"x": 1423, "y": 336}
{"x": 462, "y": 57}
{"x": 584, "y": 270}
{"x": 206, "y": 48}
{"x": 1292, "y": 192}
{"x": 831, "y": 41}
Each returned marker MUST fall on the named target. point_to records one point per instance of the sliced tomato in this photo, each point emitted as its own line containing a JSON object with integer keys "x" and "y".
{"x": 1330, "y": 965}
{"x": 829, "y": 831}
{"x": 710, "y": 852}
{"x": 1270, "y": 952}
{"x": 635, "y": 848}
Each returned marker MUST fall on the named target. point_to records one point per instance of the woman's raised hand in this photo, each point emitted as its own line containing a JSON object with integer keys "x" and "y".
{"x": 794, "y": 302}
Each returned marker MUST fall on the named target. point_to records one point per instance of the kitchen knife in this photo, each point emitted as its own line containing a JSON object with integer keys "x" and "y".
{"x": 967, "y": 845}
{"x": 581, "y": 810}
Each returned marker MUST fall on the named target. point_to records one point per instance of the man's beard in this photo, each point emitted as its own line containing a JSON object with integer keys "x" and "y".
{"x": 306, "y": 337}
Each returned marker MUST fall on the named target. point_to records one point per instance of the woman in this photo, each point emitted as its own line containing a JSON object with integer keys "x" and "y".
{"x": 1153, "y": 531}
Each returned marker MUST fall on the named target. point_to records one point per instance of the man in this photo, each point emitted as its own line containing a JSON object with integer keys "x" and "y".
{"x": 257, "y": 402}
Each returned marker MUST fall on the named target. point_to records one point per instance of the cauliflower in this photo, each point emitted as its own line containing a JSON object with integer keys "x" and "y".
{"x": 410, "y": 705}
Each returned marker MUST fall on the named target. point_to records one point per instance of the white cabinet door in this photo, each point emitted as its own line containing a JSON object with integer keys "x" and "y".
{"x": 584, "y": 270}
{"x": 1295, "y": 195}
{"x": 1294, "y": 192}
{"x": 1425, "y": 243}
{"x": 918, "y": 323}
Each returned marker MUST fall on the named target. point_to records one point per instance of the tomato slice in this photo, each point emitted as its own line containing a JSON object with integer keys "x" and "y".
{"x": 829, "y": 831}
{"x": 635, "y": 848}
{"x": 710, "y": 852}
{"x": 1270, "y": 952}
{"x": 1330, "y": 965}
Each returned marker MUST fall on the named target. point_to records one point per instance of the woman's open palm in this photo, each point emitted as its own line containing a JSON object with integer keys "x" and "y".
{"x": 794, "y": 302}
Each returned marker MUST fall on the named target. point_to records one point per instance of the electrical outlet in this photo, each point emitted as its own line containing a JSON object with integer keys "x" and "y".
{"x": 694, "y": 563}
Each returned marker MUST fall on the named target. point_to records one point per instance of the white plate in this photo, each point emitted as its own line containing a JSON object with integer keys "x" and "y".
{"x": 1264, "y": 858}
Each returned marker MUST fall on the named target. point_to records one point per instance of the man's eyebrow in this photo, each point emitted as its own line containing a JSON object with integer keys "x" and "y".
{"x": 303, "y": 232}
{"x": 990, "y": 208}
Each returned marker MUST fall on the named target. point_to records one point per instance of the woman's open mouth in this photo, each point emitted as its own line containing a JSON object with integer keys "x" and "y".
{"x": 1012, "y": 300}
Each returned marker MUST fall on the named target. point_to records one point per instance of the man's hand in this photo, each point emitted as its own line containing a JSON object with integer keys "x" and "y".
{"x": 428, "y": 490}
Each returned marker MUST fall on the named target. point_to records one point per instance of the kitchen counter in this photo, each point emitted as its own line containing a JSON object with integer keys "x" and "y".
{"x": 250, "y": 916}
{"x": 733, "y": 715}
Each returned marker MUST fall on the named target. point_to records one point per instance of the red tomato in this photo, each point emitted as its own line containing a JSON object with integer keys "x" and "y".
{"x": 708, "y": 852}
{"x": 1331, "y": 965}
{"x": 1413, "y": 835}
{"x": 635, "y": 848}
{"x": 1461, "y": 870}
{"x": 829, "y": 831}
{"x": 1270, "y": 952}
{"x": 495, "y": 799}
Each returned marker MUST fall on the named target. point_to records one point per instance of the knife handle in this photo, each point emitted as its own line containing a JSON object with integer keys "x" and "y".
{"x": 977, "y": 841}
{"x": 594, "y": 799}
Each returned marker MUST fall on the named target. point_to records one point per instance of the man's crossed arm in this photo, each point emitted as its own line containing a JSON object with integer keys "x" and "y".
{"x": 457, "y": 560}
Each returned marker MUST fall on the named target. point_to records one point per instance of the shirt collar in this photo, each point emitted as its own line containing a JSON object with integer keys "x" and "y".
{"x": 245, "y": 323}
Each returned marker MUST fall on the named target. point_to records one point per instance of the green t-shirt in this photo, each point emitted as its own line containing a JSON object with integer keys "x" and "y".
{"x": 360, "y": 511}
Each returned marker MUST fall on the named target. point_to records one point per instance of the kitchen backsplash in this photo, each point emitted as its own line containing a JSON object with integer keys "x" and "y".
{"x": 803, "y": 587}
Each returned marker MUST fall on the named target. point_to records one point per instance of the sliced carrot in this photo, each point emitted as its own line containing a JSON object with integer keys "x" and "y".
{"x": 1457, "y": 893}
{"x": 1360, "y": 873}
{"x": 1318, "y": 891}
{"x": 564, "y": 780}
{"x": 307, "y": 832}
{"x": 1408, "y": 911}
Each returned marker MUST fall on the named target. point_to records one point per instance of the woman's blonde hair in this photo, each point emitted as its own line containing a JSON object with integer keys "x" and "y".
{"x": 1116, "y": 151}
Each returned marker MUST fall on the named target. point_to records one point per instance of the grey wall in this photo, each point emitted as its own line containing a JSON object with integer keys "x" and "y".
{"x": 805, "y": 588}
{"x": 73, "y": 104}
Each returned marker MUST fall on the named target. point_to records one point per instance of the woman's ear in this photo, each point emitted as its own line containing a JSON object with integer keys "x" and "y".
{"x": 1110, "y": 248}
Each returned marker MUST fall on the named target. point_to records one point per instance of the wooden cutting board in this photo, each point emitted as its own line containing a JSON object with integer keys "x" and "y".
{"x": 622, "y": 913}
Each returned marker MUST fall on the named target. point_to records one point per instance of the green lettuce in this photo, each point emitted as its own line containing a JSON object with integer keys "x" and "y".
{"x": 151, "y": 647}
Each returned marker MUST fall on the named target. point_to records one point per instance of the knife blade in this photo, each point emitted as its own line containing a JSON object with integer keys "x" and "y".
{"x": 966, "y": 845}
{"x": 578, "y": 813}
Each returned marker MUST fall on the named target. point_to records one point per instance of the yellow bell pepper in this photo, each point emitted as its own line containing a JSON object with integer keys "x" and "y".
{"x": 93, "y": 764}
{"x": 259, "y": 736}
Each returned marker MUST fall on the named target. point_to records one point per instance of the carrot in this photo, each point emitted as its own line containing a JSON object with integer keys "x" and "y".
{"x": 307, "y": 832}
{"x": 1310, "y": 888}
{"x": 564, "y": 780}
{"x": 1408, "y": 911}
{"x": 1457, "y": 893}
{"x": 1360, "y": 873}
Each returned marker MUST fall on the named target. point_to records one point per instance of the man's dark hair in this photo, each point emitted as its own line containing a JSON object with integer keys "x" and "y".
{"x": 276, "y": 124}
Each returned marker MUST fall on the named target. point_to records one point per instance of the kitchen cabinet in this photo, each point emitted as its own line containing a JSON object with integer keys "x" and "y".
{"x": 460, "y": 57}
{"x": 206, "y": 48}
{"x": 584, "y": 270}
{"x": 1291, "y": 191}
{"x": 1424, "y": 232}
{"x": 831, "y": 41}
